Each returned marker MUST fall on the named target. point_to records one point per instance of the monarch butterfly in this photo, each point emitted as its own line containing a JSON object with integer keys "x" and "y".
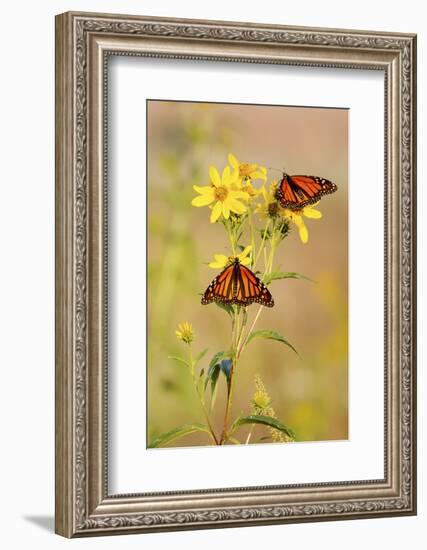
{"x": 236, "y": 284}
{"x": 296, "y": 192}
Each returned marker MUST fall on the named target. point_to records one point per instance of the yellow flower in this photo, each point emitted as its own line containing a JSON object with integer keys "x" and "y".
{"x": 185, "y": 332}
{"x": 261, "y": 405}
{"x": 297, "y": 217}
{"x": 221, "y": 193}
{"x": 270, "y": 208}
{"x": 248, "y": 188}
{"x": 221, "y": 260}
{"x": 261, "y": 400}
{"x": 247, "y": 171}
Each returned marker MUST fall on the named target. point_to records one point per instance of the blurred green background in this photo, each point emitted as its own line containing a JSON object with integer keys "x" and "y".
{"x": 309, "y": 395}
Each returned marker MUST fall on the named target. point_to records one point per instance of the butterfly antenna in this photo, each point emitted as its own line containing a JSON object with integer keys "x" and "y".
{"x": 276, "y": 169}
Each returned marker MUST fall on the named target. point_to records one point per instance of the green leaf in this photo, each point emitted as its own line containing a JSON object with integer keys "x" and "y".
{"x": 216, "y": 360}
{"x": 179, "y": 360}
{"x": 226, "y": 307}
{"x": 200, "y": 384}
{"x": 275, "y": 275}
{"x": 167, "y": 437}
{"x": 213, "y": 374}
{"x": 226, "y": 367}
{"x": 200, "y": 356}
{"x": 266, "y": 421}
{"x": 235, "y": 424}
{"x": 214, "y": 391}
{"x": 271, "y": 335}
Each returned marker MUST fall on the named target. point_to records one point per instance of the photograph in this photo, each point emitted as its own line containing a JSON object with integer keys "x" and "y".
{"x": 247, "y": 274}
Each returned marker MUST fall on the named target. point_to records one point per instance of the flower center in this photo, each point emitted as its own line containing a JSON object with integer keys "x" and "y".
{"x": 245, "y": 170}
{"x": 249, "y": 190}
{"x": 273, "y": 209}
{"x": 221, "y": 193}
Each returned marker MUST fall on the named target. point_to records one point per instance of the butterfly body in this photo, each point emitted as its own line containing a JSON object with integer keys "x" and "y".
{"x": 296, "y": 192}
{"x": 237, "y": 284}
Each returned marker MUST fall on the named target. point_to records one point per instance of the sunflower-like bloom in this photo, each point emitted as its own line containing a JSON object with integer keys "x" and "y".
{"x": 247, "y": 171}
{"x": 297, "y": 217}
{"x": 222, "y": 193}
{"x": 270, "y": 207}
{"x": 247, "y": 187}
{"x": 221, "y": 260}
{"x": 185, "y": 332}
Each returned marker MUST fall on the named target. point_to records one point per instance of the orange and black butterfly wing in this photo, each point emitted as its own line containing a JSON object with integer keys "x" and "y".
{"x": 249, "y": 288}
{"x": 236, "y": 284}
{"x": 296, "y": 192}
{"x": 221, "y": 288}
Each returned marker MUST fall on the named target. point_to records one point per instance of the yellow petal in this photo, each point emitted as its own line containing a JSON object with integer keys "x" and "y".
{"x": 233, "y": 161}
{"x": 236, "y": 206}
{"x": 246, "y": 261}
{"x": 225, "y": 210}
{"x": 245, "y": 252}
{"x": 258, "y": 174}
{"x": 299, "y": 222}
{"x": 303, "y": 234}
{"x": 216, "y": 212}
{"x": 226, "y": 176}
{"x": 235, "y": 178}
{"x": 220, "y": 261}
{"x": 221, "y": 258}
{"x": 264, "y": 193}
{"x": 236, "y": 181}
{"x": 238, "y": 194}
{"x": 285, "y": 213}
{"x": 202, "y": 200}
{"x": 214, "y": 175}
{"x": 203, "y": 190}
{"x": 297, "y": 219}
{"x": 312, "y": 213}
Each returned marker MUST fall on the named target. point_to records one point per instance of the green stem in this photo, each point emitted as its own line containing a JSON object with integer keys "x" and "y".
{"x": 268, "y": 269}
{"x": 258, "y": 313}
{"x": 234, "y": 342}
{"x": 228, "y": 404}
{"x": 263, "y": 240}
{"x": 201, "y": 400}
{"x": 251, "y": 228}
{"x": 249, "y": 434}
{"x": 239, "y": 339}
{"x": 231, "y": 236}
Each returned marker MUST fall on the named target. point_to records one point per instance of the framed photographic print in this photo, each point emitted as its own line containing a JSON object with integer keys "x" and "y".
{"x": 235, "y": 274}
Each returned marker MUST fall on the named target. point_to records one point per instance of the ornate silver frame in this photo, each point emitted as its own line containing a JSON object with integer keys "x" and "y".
{"x": 83, "y": 42}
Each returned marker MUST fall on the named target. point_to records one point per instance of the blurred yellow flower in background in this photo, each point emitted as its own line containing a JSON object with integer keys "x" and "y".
{"x": 261, "y": 405}
{"x": 185, "y": 332}
{"x": 222, "y": 193}
{"x": 221, "y": 260}
{"x": 245, "y": 170}
{"x": 297, "y": 217}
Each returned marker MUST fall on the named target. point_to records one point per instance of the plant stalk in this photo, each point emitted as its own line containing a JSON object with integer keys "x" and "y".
{"x": 201, "y": 401}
